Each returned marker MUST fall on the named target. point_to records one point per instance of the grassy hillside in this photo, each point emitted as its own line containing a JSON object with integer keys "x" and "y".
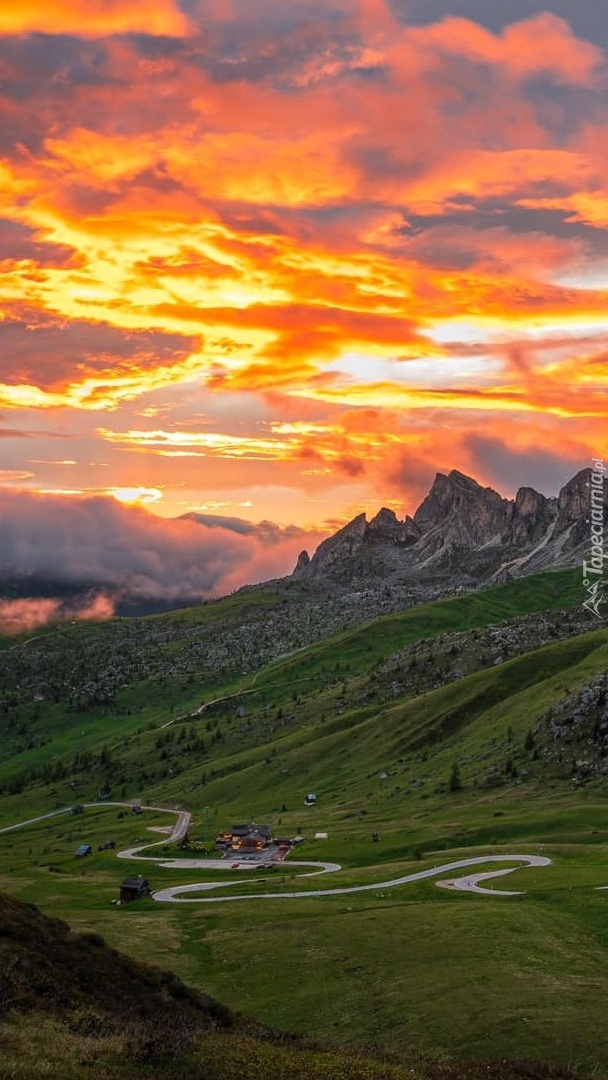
{"x": 82, "y": 690}
{"x": 471, "y": 726}
{"x": 70, "y": 1005}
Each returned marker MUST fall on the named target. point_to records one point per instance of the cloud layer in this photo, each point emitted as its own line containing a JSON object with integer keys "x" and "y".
{"x": 286, "y": 260}
{"x": 127, "y": 550}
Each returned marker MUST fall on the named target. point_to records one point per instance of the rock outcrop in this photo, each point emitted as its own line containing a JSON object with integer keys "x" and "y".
{"x": 386, "y": 526}
{"x": 302, "y": 563}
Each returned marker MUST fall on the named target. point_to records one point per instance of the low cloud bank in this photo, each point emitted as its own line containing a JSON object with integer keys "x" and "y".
{"x": 101, "y": 543}
{"x": 20, "y": 616}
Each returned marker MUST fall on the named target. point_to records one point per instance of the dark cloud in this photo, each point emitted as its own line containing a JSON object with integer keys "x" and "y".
{"x": 101, "y": 542}
{"x": 43, "y": 80}
{"x": 159, "y": 47}
{"x": 44, "y": 350}
{"x": 382, "y": 161}
{"x": 53, "y": 84}
{"x": 545, "y": 470}
{"x": 350, "y": 465}
{"x": 18, "y": 242}
{"x": 408, "y": 474}
{"x": 587, "y": 17}
{"x": 488, "y": 213}
{"x": 564, "y": 110}
{"x": 60, "y": 64}
{"x": 288, "y": 45}
{"x": 85, "y": 200}
{"x": 442, "y": 247}
{"x": 267, "y": 532}
{"x": 433, "y": 233}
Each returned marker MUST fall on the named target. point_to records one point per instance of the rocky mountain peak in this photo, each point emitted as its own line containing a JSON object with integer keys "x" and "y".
{"x": 460, "y": 512}
{"x": 336, "y": 549}
{"x": 384, "y": 519}
{"x": 353, "y": 531}
{"x": 456, "y": 477}
{"x": 386, "y": 526}
{"x": 573, "y": 500}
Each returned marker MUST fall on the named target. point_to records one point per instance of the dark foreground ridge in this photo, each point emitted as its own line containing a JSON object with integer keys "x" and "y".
{"x": 69, "y": 1001}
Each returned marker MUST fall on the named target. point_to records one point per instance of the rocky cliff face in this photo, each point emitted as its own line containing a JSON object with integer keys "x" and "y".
{"x": 574, "y": 508}
{"x": 463, "y": 529}
{"x": 459, "y": 515}
{"x": 530, "y": 517}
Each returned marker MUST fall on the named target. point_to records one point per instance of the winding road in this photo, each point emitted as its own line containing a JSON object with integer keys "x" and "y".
{"x": 468, "y": 884}
{"x": 183, "y": 894}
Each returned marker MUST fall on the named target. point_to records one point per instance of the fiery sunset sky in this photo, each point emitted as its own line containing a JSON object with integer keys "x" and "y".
{"x": 283, "y": 261}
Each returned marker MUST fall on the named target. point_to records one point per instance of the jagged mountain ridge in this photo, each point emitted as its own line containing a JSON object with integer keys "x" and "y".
{"x": 464, "y": 530}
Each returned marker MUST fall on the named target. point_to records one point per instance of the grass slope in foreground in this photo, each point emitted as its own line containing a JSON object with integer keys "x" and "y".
{"x": 70, "y": 1006}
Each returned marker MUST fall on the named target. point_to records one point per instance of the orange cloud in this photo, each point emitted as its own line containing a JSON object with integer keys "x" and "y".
{"x": 372, "y": 225}
{"x": 284, "y": 441}
{"x": 93, "y": 18}
{"x": 21, "y": 616}
{"x": 567, "y": 57}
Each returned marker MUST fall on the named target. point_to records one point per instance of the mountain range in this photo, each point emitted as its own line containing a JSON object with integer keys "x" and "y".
{"x": 461, "y": 531}
{"x": 461, "y": 536}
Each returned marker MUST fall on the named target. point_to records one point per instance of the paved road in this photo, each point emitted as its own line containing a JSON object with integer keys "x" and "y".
{"x": 471, "y": 882}
{"x": 180, "y": 894}
{"x": 178, "y": 831}
{"x": 176, "y": 895}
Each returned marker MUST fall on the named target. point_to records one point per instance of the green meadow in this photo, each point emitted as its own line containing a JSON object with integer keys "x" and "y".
{"x": 441, "y": 762}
